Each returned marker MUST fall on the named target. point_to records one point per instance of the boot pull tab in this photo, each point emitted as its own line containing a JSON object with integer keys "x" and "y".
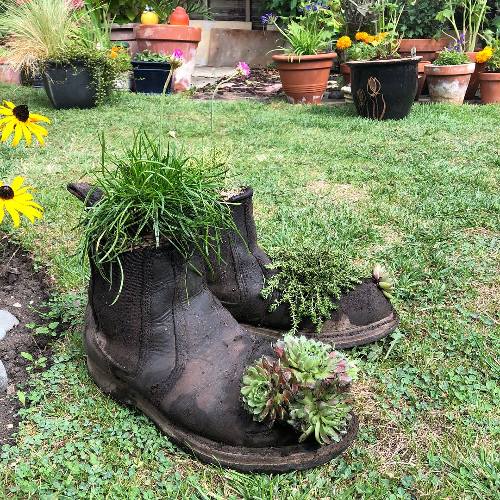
{"x": 85, "y": 192}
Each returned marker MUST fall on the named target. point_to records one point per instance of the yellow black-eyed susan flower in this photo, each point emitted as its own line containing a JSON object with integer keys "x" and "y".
{"x": 16, "y": 199}
{"x": 19, "y": 121}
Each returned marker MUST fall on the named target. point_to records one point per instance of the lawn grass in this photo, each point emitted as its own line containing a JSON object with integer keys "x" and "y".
{"x": 419, "y": 195}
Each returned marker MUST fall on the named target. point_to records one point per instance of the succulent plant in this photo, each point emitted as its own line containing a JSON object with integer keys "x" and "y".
{"x": 322, "y": 413}
{"x": 383, "y": 280}
{"x": 302, "y": 387}
{"x": 266, "y": 391}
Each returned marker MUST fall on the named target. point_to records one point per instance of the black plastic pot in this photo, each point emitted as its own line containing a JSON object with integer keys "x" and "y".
{"x": 385, "y": 89}
{"x": 69, "y": 86}
{"x": 150, "y": 77}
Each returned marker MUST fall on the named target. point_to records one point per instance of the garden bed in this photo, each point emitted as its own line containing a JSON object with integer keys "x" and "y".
{"x": 23, "y": 290}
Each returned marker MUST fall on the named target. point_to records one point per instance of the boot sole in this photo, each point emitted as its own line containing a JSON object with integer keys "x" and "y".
{"x": 350, "y": 337}
{"x": 267, "y": 460}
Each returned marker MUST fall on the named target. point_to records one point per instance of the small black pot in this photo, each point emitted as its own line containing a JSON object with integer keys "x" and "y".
{"x": 69, "y": 86}
{"x": 384, "y": 89}
{"x": 150, "y": 77}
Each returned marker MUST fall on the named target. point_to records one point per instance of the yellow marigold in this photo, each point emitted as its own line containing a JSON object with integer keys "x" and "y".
{"x": 344, "y": 42}
{"x": 484, "y": 55}
{"x": 369, "y": 39}
{"x": 381, "y": 36}
{"x": 361, "y": 36}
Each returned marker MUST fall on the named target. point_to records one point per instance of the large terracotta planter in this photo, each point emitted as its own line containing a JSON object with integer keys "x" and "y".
{"x": 474, "y": 79}
{"x": 8, "y": 74}
{"x": 164, "y": 39}
{"x": 490, "y": 87}
{"x": 345, "y": 70}
{"x": 421, "y": 78}
{"x": 384, "y": 89}
{"x": 448, "y": 84}
{"x": 425, "y": 47}
{"x": 124, "y": 33}
{"x": 304, "y": 78}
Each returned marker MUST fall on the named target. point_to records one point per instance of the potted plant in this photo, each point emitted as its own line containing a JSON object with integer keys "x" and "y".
{"x": 151, "y": 72}
{"x": 489, "y": 80}
{"x": 156, "y": 337}
{"x": 307, "y": 59}
{"x": 448, "y": 77}
{"x": 466, "y": 18}
{"x": 68, "y": 45}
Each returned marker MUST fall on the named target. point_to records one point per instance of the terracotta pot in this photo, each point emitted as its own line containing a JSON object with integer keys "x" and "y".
{"x": 384, "y": 89}
{"x": 8, "y": 74}
{"x": 425, "y": 47}
{"x": 124, "y": 33}
{"x": 421, "y": 78}
{"x": 448, "y": 84}
{"x": 490, "y": 87}
{"x": 304, "y": 78}
{"x": 164, "y": 39}
{"x": 474, "y": 79}
{"x": 345, "y": 70}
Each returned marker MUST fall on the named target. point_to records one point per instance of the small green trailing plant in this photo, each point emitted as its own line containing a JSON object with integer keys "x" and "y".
{"x": 155, "y": 194}
{"x": 451, "y": 58}
{"x": 308, "y": 277}
{"x": 305, "y": 386}
{"x": 148, "y": 56}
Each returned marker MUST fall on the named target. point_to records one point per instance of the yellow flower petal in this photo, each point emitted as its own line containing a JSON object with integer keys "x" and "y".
{"x": 7, "y": 130}
{"x": 29, "y": 212}
{"x": 5, "y": 111}
{"x": 35, "y": 127}
{"x": 38, "y": 118}
{"x": 38, "y": 136}
{"x": 12, "y": 212}
{"x": 17, "y": 183}
{"x": 18, "y": 135}
{"x": 5, "y": 120}
{"x": 2, "y": 212}
{"x": 27, "y": 134}
{"x": 9, "y": 104}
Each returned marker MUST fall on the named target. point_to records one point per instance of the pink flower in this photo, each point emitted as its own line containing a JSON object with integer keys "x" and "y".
{"x": 243, "y": 69}
{"x": 176, "y": 58}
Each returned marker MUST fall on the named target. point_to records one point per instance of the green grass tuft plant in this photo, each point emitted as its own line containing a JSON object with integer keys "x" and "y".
{"x": 156, "y": 194}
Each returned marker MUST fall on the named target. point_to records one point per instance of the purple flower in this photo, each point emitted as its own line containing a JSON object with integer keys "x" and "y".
{"x": 176, "y": 58}
{"x": 267, "y": 18}
{"x": 243, "y": 69}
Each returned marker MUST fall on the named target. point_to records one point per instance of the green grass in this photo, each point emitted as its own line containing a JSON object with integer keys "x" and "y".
{"x": 420, "y": 196}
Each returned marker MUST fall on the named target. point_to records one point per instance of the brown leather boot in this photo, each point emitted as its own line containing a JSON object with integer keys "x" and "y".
{"x": 362, "y": 315}
{"x": 165, "y": 345}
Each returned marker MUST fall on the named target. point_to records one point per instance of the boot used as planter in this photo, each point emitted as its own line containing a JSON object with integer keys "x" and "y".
{"x": 164, "y": 39}
{"x": 448, "y": 84}
{"x": 304, "y": 78}
{"x": 69, "y": 86}
{"x": 384, "y": 89}
{"x": 165, "y": 345}
{"x": 363, "y": 315}
{"x": 490, "y": 87}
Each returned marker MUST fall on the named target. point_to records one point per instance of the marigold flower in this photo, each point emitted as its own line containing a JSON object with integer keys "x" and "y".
{"x": 370, "y": 39}
{"x": 484, "y": 55}
{"x": 15, "y": 200}
{"x": 361, "y": 36}
{"x": 18, "y": 120}
{"x": 344, "y": 42}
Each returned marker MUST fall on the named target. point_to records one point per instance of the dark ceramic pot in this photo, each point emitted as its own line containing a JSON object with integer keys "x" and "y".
{"x": 69, "y": 86}
{"x": 150, "y": 77}
{"x": 385, "y": 89}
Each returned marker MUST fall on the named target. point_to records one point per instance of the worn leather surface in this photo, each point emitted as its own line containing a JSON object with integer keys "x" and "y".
{"x": 238, "y": 278}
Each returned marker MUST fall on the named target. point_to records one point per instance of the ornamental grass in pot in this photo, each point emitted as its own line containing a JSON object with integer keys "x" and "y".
{"x": 489, "y": 80}
{"x": 68, "y": 44}
{"x": 305, "y": 64}
{"x": 157, "y": 338}
{"x": 448, "y": 77}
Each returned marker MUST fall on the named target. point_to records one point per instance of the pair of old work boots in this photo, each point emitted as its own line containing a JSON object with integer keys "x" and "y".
{"x": 174, "y": 343}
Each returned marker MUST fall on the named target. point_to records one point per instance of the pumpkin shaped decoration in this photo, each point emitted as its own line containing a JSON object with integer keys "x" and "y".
{"x": 179, "y": 17}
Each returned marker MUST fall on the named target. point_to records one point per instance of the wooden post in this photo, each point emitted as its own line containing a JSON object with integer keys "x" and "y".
{"x": 248, "y": 11}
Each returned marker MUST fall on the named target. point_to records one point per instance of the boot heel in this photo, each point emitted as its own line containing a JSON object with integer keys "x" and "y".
{"x": 108, "y": 383}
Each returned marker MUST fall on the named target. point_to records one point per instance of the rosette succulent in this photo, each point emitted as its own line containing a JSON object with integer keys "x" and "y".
{"x": 322, "y": 413}
{"x": 383, "y": 280}
{"x": 266, "y": 391}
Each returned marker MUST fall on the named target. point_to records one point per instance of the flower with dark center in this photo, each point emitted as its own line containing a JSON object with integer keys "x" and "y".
{"x": 19, "y": 121}
{"x": 16, "y": 199}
